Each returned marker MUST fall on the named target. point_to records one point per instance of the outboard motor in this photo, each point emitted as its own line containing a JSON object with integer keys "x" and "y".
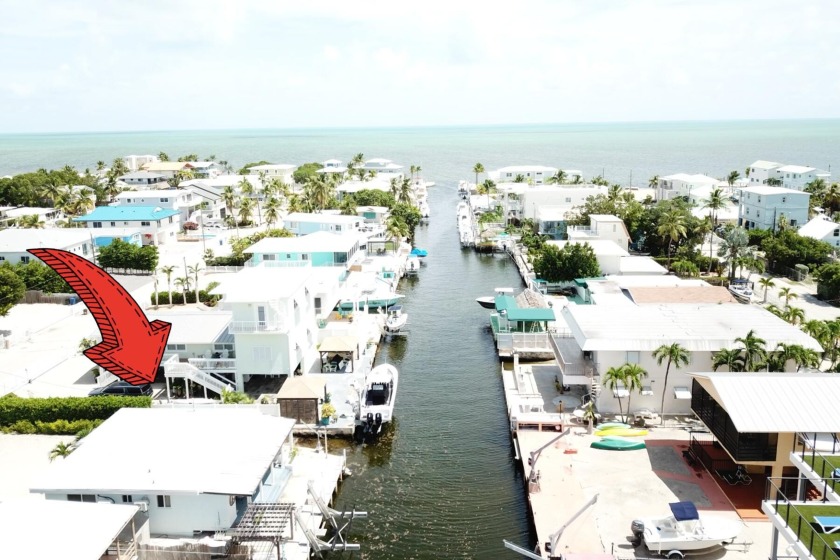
{"x": 637, "y": 527}
{"x": 369, "y": 418}
{"x": 378, "y": 418}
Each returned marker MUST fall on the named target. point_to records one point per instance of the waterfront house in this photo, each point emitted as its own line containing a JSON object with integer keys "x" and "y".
{"x": 373, "y": 215}
{"x": 547, "y": 205}
{"x": 282, "y": 171}
{"x": 205, "y": 169}
{"x": 384, "y": 166}
{"x": 822, "y": 229}
{"x": 533, "y": 174}
{"x": 612, "y": 259}
{"x": 158, "y": 225}
{"x": 333, "y": 166}
{"x": 36, "y": 528}
{"x": 181, "y": 200}
{"x": 144, "y": 180}
{"x": 300, "y": 223}
{"x": 14, "y": 243}
{"x": 316, "y": 249}
{"x": 46, "y": 215}
{"x": 135, "y": 163}
{"x": 794, "y": 177}
{"x": 601, "y": 226}
{"x": 683, "y": 184}
{"x": 168, "y": 168}
{"x": 193, "y": 470}
{"x": 103, "y": 237}
{"x": 762, "y": 207}
{"x": 604, "y": 336}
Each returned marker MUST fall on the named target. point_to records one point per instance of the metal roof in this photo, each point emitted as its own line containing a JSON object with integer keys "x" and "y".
{"x": 318, "y": 242}
{"x": 777, "y": 402}
{"x": 303, "y": 387}
{"x": 127, "y": 213}
{"x": 193, "y": 328}
{"x": 818, "y": 228}
{"x": 507, "y": 306}
{"x": 216, "y": 450}
{"x": 700, "y": 327}
{"x": 257, "y": 285}
{"x": 19, "y": 240}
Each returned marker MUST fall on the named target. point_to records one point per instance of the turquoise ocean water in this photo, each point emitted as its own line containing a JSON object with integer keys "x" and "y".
{"x": 619, "y": 151}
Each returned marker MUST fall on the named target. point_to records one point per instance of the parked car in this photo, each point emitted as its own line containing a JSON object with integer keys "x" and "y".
{"x": 123, "y": 388}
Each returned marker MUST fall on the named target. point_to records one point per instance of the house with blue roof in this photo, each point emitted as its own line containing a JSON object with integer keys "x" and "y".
{"x": 157, "y": 225}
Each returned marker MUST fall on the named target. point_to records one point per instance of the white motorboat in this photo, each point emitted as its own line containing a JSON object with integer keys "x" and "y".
{"x": 377, "y": 402}
{"x": 425, "y": 212}
{"x": 489, "y": 302}
{"x": 412, "y": 265}
{"x": 683, "y": 530}
{"x": 741, "y": 290}
{"x": 395, "y": 320}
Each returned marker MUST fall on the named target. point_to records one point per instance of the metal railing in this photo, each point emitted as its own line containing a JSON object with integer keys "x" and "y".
{"x": 203, "y": 378}
{"x": 523, "y": 341}
{"x": 798, "y": 522}
{"x": 213, "y": 364}
{"x": 239, "y": 327}
{"x": 222, "y": 269}
{"x": 277, "y": 264}
{"x": 822, "y": 466}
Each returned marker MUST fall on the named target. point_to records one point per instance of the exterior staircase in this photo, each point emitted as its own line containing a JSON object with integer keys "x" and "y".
{"x": 173, "y": 368}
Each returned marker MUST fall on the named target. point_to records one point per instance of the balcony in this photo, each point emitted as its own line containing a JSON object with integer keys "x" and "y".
{"x": 277, "y": 264}
{"x": 821, "y": 469}
{"x": 214, "y": 364}
{"x": 807, "y": 525}
{"x": 247, "y": 327}
{"x": 576, "y": 369}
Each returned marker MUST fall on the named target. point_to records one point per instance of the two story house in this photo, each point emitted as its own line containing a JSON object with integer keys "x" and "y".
{"x": 300, "y": 223}
{"x": 15, "y": 242}
{"x": 181, "y": 200}
{"x": 762, "y": 207}
{"x": 158, "y": 225}
{"x": 144, "y": 180}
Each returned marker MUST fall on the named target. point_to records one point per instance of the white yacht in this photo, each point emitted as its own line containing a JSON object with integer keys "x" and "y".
{"x": 683, "y": 530}
{"x": 376, "y": 407}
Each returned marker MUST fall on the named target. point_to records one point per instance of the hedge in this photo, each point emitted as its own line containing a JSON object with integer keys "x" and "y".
{"x": 14, "y": 409}
{"x": 57, "y": 428}
{"x": 178, "y": 298}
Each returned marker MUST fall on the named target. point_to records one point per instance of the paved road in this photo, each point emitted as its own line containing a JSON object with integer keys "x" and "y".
{"x": 807, "y": 299}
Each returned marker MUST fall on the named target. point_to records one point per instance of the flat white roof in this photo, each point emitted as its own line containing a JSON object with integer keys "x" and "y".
{"x": 640, "y": 264}
{"x": 19, "y": 240}
{"x": 796, "y": 169}
{"x": 193, "y": 328}
{"x": 763, "y": 164}
{"x": 28, "y": 211}
{"x": 817, "y": 228}
{"x": 37, "y": 528}
{"x": 602, "y": 247}
{"x": 378, "y": 161}
{"x": 764, "y": 189}
{"x": 697, "y": 327}
{"x": 527, "y": 168}
{"x": 689, "y": 178}
{"x": 216, "y": 450}
{"x": 318, "y": 242}
{"x": 273, "y": 166}
{"x": 776, "y": 402}
{"x": 320, "y": 218}
{"x": 258, "y": 284}
{"x": 162, "y": 193}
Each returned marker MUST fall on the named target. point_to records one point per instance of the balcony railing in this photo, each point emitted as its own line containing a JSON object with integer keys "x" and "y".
{"x": 799, "y": 518}
{"x": 277, "y": 264}
{"x": 822, "y": 469}
{"x": 242, "y": 327}
{"x": 213, "y": 364}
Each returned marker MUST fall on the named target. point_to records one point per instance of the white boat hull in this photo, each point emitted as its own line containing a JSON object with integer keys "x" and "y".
{"x": 377, "y": 401}
{"x": 487, "y": 302}
{"x": 666, "y": 535}
{"x": 393, "y": 325}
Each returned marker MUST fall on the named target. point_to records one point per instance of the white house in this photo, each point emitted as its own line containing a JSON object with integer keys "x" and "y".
{"x": 181, "y": 200}
{"x": 601, "y": 226}
{"x": 382, "y": 165}
{"x": 274, "y": 322}
{"x": 167, "y": 168}
{"x": 193, "y": 470}
{"x": 762, "y": 207}
{"x": 613, "y": 259}
{"x": 333, "y": 166}
{"x": 46, "y": 215}
{"x": 205, "y": 169}
{"x": 521, "y": 201}
{"x": 606, "y": 336}
{"x": 791, "y": 176}
{"x": 14, "y": 242}
{"x": 318, "y": 249}
{"x": 159, "y": 225}
{"x": 144, "y": 180}
{"x": 822, "y": 229}
{"x": 135, "y": 163}
{"x": 682, "y": 184}
{"x": 301, "y": 223}
{"x": 533, "y": 174}
{"x": 282, "y": 171}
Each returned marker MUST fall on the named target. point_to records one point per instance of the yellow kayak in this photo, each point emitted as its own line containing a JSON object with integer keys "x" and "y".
{"x": 624, "y": 432}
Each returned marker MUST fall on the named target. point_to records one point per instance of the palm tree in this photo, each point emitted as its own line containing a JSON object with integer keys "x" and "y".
{"x": 671, "y": 228}
{"x": 801, "y": 356}
{"x": 766, "y": 282}
{"x": 735, "y": 245}
{"x": 229, "y": 199}
{"x": 729, "y": 357}
{"x": 30, "y": 221}
{"x": 794, "y": 315}
{"x": 100, "y": 165}
{"x": 184, "y": 283}
{"x": 51, "y": 190}
{"x": 194, "y": 270}
{"x": 406, "y": 191}
{"x": 633, "y": 376}
{"x": 755, "y": 355}
{"x": 163, "y": 156}
{"x": 246, "y": 210}
{"x": 272, "y": 211}
{"x": 558, "y": 178}
{"x": 347, "y": 205}
{"x": 675, "y": 354}
{"x": 394, "y": 187}
{"x": 653, "y": 182}
{"x": 732, "y": 178}
{"x": 396, "y": 230}
{"x": 775, "y": 310}
{"x": 249, "y": 191}
{"x": 614, "y": 380}
{"x": 487, "y": 186}
{"x": 62, "y": 449}
{"x": 412, "y": 169}
{"x": 477, "y": 169}
{"x": 168, "y": 270}
{"x": 788, "y": 294}
{"x": 831, "y": 199}
{"x": 614, "y": 192}
{"x": 319, "y": 191}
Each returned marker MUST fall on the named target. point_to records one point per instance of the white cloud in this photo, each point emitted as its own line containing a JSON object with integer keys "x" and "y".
{"x": 382, "y": 62}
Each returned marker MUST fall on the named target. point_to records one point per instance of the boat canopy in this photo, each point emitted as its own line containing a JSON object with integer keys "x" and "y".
{"x": 419, "y": 252}
{"x": 507, "y": 306}
{"x": 684, "y": 511}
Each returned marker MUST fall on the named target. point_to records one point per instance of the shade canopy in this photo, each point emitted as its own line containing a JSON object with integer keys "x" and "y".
{"x": 339, "y": 344}
{"x": 684, "y": 511}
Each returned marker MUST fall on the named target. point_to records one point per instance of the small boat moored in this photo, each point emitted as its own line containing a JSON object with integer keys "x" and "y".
{"x": 741, "y": 290}
{"x": 395, "y": 320}
{"x": 489, "y": 302}
{"x": 376, "y": 406}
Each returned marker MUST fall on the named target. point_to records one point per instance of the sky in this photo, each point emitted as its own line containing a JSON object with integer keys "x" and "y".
{"x": 103, "y": 65}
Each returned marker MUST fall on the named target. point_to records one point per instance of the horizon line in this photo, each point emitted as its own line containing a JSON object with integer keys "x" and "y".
{"x": 421, "y": 126}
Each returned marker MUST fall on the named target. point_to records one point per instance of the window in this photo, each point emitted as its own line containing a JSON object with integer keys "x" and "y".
{"x": 81, "y": 498}
{"x": 269, "y": 257}
{"x": 97, "y": 224}
{"x": 24, "y": 260}
{"x": 338, "y": 228}
{"x": 633, "y": 357}
{"x": 304, "y": 256}
{"x": 2, "y": 259}
{"x": 288, "y": 256}
{"x": 164, "y": 501}
{"x": 837, "y": 233}
{"x": 127, "y": 498}
{"x": 758, "y": 213}
{"x": 113, "y": 224}
{"x": 128, "y": 200}
{"x": 568, "y": 199}
{"x": 85, "y": 249}
{"x": 784, "y": 199}
{"x": 164, "y": 200}
{"x": 170, "y": 219}
{"x": 793, "y": 223}
{"x": 759, "y": 198}
{"x": 145, "y": 223}
{"x": 176, "y": 346}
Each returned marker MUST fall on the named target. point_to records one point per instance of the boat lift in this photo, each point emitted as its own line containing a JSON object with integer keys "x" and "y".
{"x": 534, "y": 474}
{"x": 551, "y": 547}
{"x": 338, "y": 540}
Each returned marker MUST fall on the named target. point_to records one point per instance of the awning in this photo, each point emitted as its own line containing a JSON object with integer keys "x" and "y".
{"x": 338, "y": 344}
{"x": 621, "y": 393}
{"x": 682, "y": 393}
{"x": 647, "y": 391}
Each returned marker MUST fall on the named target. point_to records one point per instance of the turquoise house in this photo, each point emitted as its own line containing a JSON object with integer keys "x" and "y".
{"x": 105, "y": 236}
{"x": 316, "y": 249}
{"x": 300, "y": 223}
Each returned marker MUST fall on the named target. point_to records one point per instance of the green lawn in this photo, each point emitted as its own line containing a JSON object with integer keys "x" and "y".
{"x": 801, "y": 522}
{"x": 824, "y": 465}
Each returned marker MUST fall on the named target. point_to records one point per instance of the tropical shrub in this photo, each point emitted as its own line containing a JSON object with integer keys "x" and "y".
{"x": 14, "y": 409}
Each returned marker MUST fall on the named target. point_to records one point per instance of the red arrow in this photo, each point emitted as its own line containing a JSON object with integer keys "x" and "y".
{"x": 131, "y": 347}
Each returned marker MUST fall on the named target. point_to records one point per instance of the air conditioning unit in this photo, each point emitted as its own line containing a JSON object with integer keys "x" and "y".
{"x": 144, "y": 506}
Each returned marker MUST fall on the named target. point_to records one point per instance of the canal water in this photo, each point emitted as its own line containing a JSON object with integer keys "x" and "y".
{"x": 443, "y": 483}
